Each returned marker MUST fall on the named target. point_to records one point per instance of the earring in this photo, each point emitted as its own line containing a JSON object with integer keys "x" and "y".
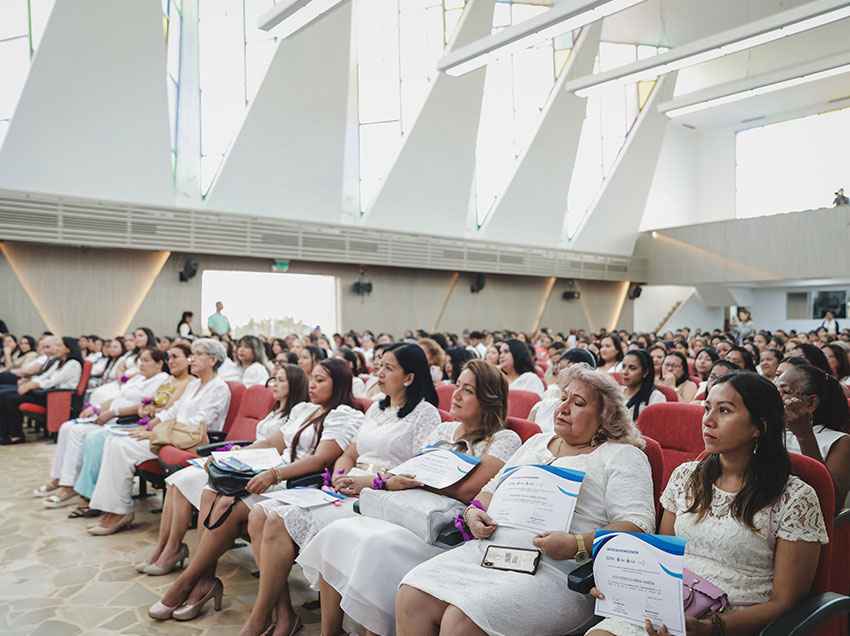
{"x": 756, "y": 446}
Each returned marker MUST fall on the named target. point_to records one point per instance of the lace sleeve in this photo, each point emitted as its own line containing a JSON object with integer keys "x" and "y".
{"x": 424, "y": 419}
{"x": 673, "y": 497}
{"x": 505, "y": 443}
{"x": 800, "y": 516}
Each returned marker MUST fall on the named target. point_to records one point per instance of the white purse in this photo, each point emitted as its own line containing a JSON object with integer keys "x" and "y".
{"x": 424, "y": 513}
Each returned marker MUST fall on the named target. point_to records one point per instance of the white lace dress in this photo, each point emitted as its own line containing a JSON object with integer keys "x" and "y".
{"x": 343, "y": 553}
{"x": 617, "y": 487}
{"x": 726, "y": 552}
{"x": 383, "y": 441}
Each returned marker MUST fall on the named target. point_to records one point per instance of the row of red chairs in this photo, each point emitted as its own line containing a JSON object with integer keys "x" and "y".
{"x": 62, "y": 404}
{"x": 520, "y": 402}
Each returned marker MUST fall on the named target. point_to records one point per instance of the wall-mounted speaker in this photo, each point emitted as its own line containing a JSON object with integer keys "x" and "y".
{"x": 361, "y": 288}
{"x": 478, "y": 283}
{"x": 634, "y": 292}
{"x": 571, "y": 295}
{"x": 190, "y": 268}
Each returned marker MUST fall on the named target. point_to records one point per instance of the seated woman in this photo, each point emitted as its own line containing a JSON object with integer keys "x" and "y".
{"x": 395, "y": 429}
{"x": 202, "y": 408}
{"x": 543, "y": 412}
{"x": 516, "y": 363}
{"x": 658, "y": 352}
{"x": 839, "y": 365}
{"x": 436, "y": 358}
{"x": 816, "y": 420}
{"x": 341, "y": 557}
{"x": 492, "y": 353}
{"x": 17, "y": 353}
{"x": 251, "y": 356}
{"x": 456, "y": 359}
{"x": 611, "y": 353}
{"x": 675, "y": 375}
{"x": 753, "y": 529}
{"x": 358, "y": 387}
{"x": 168, "y": 393}
{"x": 68, "y": 456}
{"x": 703, "y": 361}
{"x": 813, "y": 355}
{"x": 639, "y": 382}
{"x": 453, "y": 594}
{"x": 141, "y": 338}
{"x": 309, "y": 357}
{"x": 105, "y": 369}
{"x": 315, "y": 436}
{"x": 186, "y": 486}
{"x": 769, "y": 362}
{"x": 741, "y": 358}
{"x": 64, "y": 373}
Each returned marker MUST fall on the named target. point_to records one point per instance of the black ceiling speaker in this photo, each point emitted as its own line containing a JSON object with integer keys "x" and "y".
{"x": 479, "y": 281}
{"x": 635, "y": 291}
{"x": 571, "y": 295}
{"x": 190, "y": 268}
{"x": 361, "y": 288}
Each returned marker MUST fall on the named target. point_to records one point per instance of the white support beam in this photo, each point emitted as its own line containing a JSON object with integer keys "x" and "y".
{"x": 612, "y": 226}
{"x": 93, "y": 117}
{"x": 549, "y": 159}
{"x": 428, "y": 186}
{"x": 288, "y": 158}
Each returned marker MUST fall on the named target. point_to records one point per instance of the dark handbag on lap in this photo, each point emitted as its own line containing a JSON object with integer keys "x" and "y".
{"x": 228, "y": 478}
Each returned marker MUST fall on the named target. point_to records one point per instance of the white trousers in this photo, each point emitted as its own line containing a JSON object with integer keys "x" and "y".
{"x": 114, "y": 490}
{"x": 68, "y": 458}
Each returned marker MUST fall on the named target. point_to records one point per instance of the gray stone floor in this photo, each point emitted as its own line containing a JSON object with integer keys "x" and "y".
{"x": 56, "y": 580}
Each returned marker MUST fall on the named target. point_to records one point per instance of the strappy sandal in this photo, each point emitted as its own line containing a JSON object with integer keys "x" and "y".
{"x": 55, "y": 501}
{"x": 84, "y": 512}
{"x": 44, "y": 490}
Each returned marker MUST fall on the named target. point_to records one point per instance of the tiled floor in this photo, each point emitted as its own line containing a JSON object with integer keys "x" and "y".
{"x": 57, "y": 580}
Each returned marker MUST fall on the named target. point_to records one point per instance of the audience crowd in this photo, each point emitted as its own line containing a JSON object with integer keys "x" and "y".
{"x": 350, "y": 407}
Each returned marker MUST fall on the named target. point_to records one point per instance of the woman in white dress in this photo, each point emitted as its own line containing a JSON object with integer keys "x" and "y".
{"x": 453, "y": 594}
{"x": 639, "y": 382}
{"x": 68, "y": 458}
{"x": 753, "y": 529}
{"x": 105, "y": 369}
{"x": 816, "y": 417}
{"x": 142, "y": 338}
{"x": 342, "y": 558}
{"x": 358, "y": 387}
{"x": 516, "y": 363}
{"x": 185, "y": 487}
{"x": 611, "y": 353}
{"x": 251, "y": 356}
{"x": 202, "y": 407}
{"x": 395, "y": 429}
{"x": 315, "y": 436}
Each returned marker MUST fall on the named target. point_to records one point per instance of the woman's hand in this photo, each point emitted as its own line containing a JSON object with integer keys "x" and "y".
{"x": 668, "y": 379}
{"x": 87, "y": 412}
{"x": 693, "y": 627}
{"x": 262, "y": 482}
{"x": 556, "y": 545}
{"x": 480, "y": 524}
{"x": 351, "y": 486}
{"x": 26, "y": 387}
{"x": 140, "y": 434}
{"x": 403, "y": 482}
{"x": 104, "y": 417}
{"x": 798, "y": 416}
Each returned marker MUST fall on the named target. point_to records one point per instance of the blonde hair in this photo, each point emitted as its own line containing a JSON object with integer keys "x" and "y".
{"x": 433, "y": 351}
{"x": 615, "y": 425}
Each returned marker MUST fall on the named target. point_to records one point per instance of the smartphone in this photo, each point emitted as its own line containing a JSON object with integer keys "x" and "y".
{"x": 498, "y": 557}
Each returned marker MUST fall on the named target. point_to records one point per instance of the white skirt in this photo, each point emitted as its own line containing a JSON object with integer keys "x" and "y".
{"x": 302, "y": 523}
{"x": 345, "y": 555}
{"x": 503, "y": 603}
{"x": 190, "y": 481}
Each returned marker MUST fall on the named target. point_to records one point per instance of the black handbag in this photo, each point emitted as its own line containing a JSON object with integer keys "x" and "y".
{"x": 226, "y": 481}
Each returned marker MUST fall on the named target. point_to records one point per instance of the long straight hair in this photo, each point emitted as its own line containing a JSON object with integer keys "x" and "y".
{"x": 412, "y": 359}
{"x": 769, "y": 467}
{"x": 340, "y": 396}
{"x": 647, "y": 386}
{"x": 73, "y": 347}
{"x": 298, "y": 393}
{"x": 521, "y": 355}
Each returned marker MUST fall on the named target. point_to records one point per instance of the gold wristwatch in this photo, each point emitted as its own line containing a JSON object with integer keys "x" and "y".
{"x": 581, "y": 550}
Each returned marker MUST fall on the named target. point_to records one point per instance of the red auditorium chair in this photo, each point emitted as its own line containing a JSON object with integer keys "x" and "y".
{"x": 522, "y": 427}
{"x": 655, "y": 455}
{"x": 362, "y": 404}
{"x": 445, "y": 416}
{"x": 669, "y": 392}
{"x": 618, "y": 378}
{"x": 62, "y": 405}
{"x": 444, "y": 396}
{"x": 678, "y": 430}
{"x": 520, "y": 403}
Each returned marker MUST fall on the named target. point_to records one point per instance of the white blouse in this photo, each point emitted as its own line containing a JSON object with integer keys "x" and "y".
{"x": 229, "y": 371}
{"x": 501, "y": 445}
{"x": 358, "y": 387}
{"x": 528, "y": 381}
{"x": 825, "y": 437}
{"x": 201, "y": 404}
{"x": 65, "y": 377}
{"x": 340, "y": 426}
{"x": 255, "y": 373}
{"x": 136, "y": 389}
{"x": 270, "y": 424}
{"x": 543, "y": 413}
{"x": 385, "y": 440}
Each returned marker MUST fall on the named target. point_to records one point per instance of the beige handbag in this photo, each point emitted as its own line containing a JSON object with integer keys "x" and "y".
{"x": 177, "y": 434}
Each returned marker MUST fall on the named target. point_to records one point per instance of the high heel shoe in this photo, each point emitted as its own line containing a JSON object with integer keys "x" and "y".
{"x": 161, "y": 612}
{"x": 189, "y": 611}
{"x": 152, "y": 569}
{"x": 101, "y": 531}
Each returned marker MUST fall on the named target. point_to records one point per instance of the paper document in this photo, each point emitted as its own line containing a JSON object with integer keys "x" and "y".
{"x": 537, "y": 497}
{"x": 87, "y": 420}
{"x": 641, "y": 578}
{"x": 437, "y": 467}
{"x": 304, "y": 497}
{"x": 257, "y": 459}
{"x": 121, "y": 429}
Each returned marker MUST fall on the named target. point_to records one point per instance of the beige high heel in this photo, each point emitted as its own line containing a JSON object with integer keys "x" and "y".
{"x": 188, "y": 612}
{"x": 152, "y": 569}
{"x": 101, "y": 531}
{"x": 160, "y": 611}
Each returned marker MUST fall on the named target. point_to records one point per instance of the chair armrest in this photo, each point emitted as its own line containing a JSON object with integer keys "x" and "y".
{"x": 449, "y": 537}
{"x": 581, "y": 579}
{"x": 307, "y": 481}
{"x": 206, "y": 449}
{"x": 842, "y": 518}
{"x": 216, "y": 436}
{"x": 803, "y": 618}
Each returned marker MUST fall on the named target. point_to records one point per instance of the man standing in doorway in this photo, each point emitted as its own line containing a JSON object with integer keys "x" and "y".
{"x": 218, "y": 323}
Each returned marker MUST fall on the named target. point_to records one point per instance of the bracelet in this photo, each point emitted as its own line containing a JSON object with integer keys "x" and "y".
{"x": 474, "y": 504}
{"x": 379, "y": 483}
{"x": 718, "y": 626}
{"x": 277, "y": 479}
